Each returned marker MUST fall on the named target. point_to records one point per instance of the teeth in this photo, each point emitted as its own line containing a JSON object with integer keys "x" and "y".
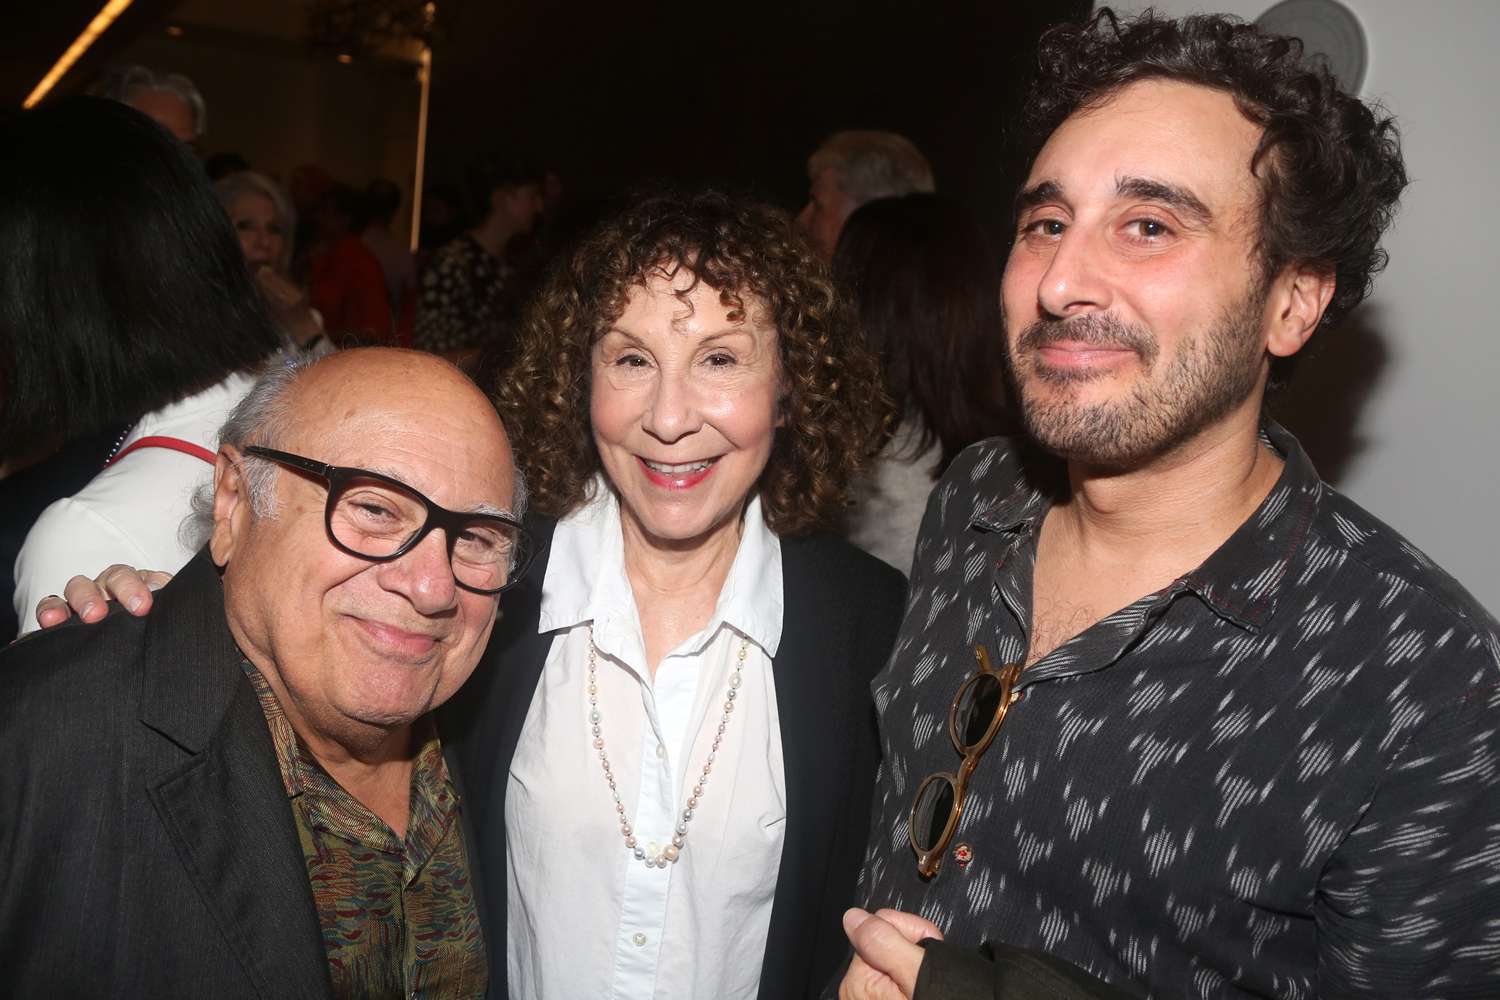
{"x": 677, "y": 470}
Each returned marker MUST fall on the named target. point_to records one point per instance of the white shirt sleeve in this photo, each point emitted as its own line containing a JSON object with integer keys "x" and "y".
{"x": 68, "y": 540}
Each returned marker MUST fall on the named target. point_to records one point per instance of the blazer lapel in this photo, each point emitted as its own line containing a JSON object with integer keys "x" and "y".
{"x": 219, "y": 791}
{"x": 809, "y": 701}
{"x": 228, "y": 814}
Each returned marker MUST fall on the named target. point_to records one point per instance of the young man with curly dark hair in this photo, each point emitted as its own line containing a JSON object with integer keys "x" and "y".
{"x": 1169, "y": 716}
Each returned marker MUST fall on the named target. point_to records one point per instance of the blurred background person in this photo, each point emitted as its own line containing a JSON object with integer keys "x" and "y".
{"x": 382, "y": 200}
{"x": 264, "y": 221}
{"x": 442, "y": 220}
{"x": 125, "y": 299}
{"x": 345, "y": 281}
{"x": 854, "y": 167}
{"x": 926, "y": 284}
{"x": 466, "y": 302}
{"x": 170, "y": 99}
{"x": 308, "y": 184}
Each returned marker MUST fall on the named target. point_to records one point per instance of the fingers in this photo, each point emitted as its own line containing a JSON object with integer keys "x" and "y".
{"x": 131, "y": 587}
{"x": 861, "y": 982}
{"x": 884, "y": 947}
{"x": 52, "y": 610}
{"x": 85, "y": 597}
{"x": 913, "y": 927}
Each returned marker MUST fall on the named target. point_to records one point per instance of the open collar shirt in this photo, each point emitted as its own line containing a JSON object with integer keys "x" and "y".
{"x": 398, "y": 915}
{"x": 1277, "y": 776}
{"x": 585, "y": 918}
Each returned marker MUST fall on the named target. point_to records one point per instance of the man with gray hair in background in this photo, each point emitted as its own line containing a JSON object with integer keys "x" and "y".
{"x": 170, "y": 99}
{"x": 851, "y": 168}
{"x": 244, "y": 795}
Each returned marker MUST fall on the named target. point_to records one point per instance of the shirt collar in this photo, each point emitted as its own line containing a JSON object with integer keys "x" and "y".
{"x": 586, "y": 581}
{"x": 1242, "y": 579}
{"x": 329, "y": 807}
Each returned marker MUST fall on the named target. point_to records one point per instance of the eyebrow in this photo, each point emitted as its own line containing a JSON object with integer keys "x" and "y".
{"x": 478, "y": 508}
{"x": 492, "y": 510}
{"x": 1179, "y": 198}
{"x": 1037, "y": 194}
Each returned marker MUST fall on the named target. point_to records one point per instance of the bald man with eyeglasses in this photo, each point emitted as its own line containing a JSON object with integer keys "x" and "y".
{"x": 245, "y": 794}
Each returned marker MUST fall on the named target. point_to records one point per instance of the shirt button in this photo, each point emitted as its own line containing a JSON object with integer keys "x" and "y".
{"x": 661, "y": 751}
{"x": 639, "y": 939}
{"x": 653, "y": 848}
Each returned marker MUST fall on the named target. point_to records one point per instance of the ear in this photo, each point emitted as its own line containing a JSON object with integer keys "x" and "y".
{"x": 1299, "y": 296}
{"x": 232, "y": 511}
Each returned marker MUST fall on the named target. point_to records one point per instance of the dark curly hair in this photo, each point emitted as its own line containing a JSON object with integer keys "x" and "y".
{"x": 832, "y": 406}
{"x": 1333, "y": 169}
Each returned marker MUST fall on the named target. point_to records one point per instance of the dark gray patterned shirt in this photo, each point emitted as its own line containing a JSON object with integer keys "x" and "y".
{"x": 1278, "y": 776}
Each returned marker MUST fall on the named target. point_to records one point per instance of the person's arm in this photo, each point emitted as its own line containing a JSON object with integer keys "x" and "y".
{"x": 1409, "y": 903}
{"x": 70, "y": 536}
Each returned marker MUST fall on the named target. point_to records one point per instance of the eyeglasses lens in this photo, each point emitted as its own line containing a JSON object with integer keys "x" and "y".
{"x": 930, "y": 814}
{"x": 376, "y": 519}
{"x": 978, "y": 704}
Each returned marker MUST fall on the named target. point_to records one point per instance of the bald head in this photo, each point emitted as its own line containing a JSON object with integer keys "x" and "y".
{"x": 357, "y": 644}
{"x": 300, "y": 401}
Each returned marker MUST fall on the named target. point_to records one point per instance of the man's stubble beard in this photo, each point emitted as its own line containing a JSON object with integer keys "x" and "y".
{"x": 1202, "y": 383}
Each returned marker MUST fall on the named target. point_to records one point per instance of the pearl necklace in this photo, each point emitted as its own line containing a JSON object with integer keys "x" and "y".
{"x": 672, "y": 851}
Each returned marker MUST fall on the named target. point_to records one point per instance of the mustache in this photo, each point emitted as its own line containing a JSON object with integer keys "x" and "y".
{"x": 1095, "y": 330}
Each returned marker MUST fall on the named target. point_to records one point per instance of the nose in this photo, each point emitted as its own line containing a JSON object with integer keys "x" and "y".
{"x": 423, "y": 576}
{"x": 672, "y": 412}
{"x": 1074, "y": 281}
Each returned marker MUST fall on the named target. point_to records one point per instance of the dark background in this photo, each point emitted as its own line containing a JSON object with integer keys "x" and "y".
{"x": 610, "y": 94}
{"x": 613, "y": 94}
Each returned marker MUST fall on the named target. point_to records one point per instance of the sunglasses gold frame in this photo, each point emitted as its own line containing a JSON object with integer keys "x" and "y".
{"x": 931, "y": 858}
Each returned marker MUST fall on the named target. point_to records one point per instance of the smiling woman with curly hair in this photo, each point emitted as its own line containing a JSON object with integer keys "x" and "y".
{"x": 670, "y": 761}
{"x": 831, "y": 404}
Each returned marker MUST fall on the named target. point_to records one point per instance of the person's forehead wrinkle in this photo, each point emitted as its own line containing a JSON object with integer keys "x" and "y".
{"x": 1178, "y": 197}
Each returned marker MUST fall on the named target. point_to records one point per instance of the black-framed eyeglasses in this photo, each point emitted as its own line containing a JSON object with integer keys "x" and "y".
{"x": 982, "y": 702}
{"x": 375, "y": 517}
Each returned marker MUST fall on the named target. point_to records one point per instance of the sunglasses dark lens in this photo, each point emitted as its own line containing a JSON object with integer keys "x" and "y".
{"x": 929, "y": 816}
{"x": 978, "y": 703}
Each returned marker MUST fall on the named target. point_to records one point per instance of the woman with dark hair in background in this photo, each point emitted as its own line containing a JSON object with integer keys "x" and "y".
{"x": 123, "y": 291}
{"x": 927, "y": 287}
{"x": 466, "y": 304}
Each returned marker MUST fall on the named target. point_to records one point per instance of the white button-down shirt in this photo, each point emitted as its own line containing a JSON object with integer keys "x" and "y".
{"x": 585, "y": 918}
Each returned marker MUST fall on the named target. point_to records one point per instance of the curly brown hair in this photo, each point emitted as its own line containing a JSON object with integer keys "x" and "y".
{"x": 1334, "y": 171}
{"x": 832, "y": 408}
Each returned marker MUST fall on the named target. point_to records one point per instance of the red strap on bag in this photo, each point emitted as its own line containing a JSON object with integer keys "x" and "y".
{"x": 170, "y": 443}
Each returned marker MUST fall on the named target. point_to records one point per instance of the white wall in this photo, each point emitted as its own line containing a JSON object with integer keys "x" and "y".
{"x": 1401, "y": 409}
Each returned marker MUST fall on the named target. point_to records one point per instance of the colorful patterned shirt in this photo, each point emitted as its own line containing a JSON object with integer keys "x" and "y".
{"x": 1277, "y": 776}
{"x": 399, "y": 918}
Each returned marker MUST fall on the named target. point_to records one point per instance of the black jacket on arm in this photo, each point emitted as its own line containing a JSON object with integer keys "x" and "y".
{"x": 146, "y": 845}
{"x": 842, "y": 609}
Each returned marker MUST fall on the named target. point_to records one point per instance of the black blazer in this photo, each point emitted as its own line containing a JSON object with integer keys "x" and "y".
{"x": 842, "y": 610}
{"x": 146, "y": 845}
